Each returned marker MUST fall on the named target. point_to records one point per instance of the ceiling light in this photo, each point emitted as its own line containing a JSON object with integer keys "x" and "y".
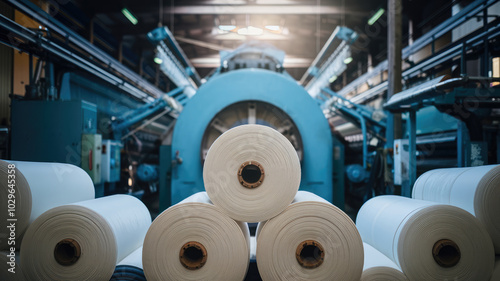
{"x": 348, "y": 60}
{"x": 250, "y": 31}
{"x": 158, "y": 60}
{"x": 376, "y": 16}
{"x": 129, "y": 16}
{"x": 334, "y": 77}
{"x": 273, "y": 27}
{"x": 227, "y": 27}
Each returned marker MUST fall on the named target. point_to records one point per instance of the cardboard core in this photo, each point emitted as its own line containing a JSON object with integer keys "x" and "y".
{"x": 446, "y": 253}
{"x": 67, "y": 252}
{"x": 251, "y": 174}
{"x": 193, "y": 255}
{"x": 310, "y": 254}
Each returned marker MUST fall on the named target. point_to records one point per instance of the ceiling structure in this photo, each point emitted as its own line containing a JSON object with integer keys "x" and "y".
{"x": 300, "y": 28}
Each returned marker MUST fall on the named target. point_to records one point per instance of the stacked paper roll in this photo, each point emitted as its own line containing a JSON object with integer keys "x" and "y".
{"x": 130, "y": 268}
{"x": 9, "y": 266}
{"x": 84, "y": 240}
{"x": 252, "y": 173}
{"x": 38, "y": 187}
{"x": 310, "y": 240}
{"x": 474, "y": 189}
{"x": 194, "y": 240}
{"x": 378, "y": 267}
{"x": 428, "y": 241}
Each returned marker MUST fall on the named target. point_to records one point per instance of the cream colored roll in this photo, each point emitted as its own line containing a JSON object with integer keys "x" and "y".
{"x": 84, "y": 240}
{"x": 252, "y": 172}
{"x": 37, "y": 187}
{"x": 9, "y": 266}
{"x": 378, "y": 267}
{"x": 194, "y": 240}
{"x": 428, "y": 241}
{"x": 130, "y": 268}
{"x": 475, "y": 189}
{"x": 311, "y": 240}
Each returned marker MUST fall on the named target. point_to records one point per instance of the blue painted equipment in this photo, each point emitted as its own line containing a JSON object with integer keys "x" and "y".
{"x": 330, "y": 64}
{"x": 249, "y": 96}
{"x": 147, "y": 173}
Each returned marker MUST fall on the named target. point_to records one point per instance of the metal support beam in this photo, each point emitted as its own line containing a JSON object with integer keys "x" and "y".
{"x": 412, "y": 151}
{"x": 394, "y": 43}
{"x": 256, "y": 10}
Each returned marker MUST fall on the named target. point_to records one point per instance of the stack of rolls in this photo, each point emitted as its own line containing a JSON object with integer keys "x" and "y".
{"x": 36, "y": 188}
{"x": 252, "y": 173}
{"x": 194, "y": 240}
{"x": 130, "y": 268}
{"x": 474, "y": 189}
{"x": 427, "y": 240}
{"x": 378, "y": 267}
{"x": 310, "y": 240}
{"x": 84, "y": 240}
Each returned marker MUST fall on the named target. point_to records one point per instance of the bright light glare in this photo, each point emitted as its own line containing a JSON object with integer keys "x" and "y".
{"x": 333, "y": 78}
{"x": 348, "y": 60}
{"x": 250, "y": 31}
{"x": 158, "y": 60}
{"x": 376, "y": 16}
{"x": 227, "y": 27}
{"x": 273, "y": 27}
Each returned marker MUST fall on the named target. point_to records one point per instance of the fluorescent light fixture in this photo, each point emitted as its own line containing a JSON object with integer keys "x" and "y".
{"x": 333, "y": 78}
{"x": 250, "y": 31}
{"x": 129, "y": 16}
{"x": 158, "y": 60}
{"x": 273, "y": 27}
{"x": 227, "y": 27}
{"x": 376, "y": 16}
{"x": 348, "y": 60}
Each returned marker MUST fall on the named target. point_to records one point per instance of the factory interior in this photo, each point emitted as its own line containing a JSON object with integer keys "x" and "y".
{"x": 250, "y": 140}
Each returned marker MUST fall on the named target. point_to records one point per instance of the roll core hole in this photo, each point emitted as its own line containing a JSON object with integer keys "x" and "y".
{"x": 310, "y": 254}
{"x": 67, "y": 252}
{"x": 446, "y": 253}
{"x": 251, "y": 174}
{"x": 193, "y": 255}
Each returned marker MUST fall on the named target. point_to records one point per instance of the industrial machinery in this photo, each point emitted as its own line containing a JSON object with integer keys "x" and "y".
{"x": 251, "y": 87}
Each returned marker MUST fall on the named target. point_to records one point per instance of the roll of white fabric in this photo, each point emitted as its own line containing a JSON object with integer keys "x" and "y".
{"x": 474, "y": 189}
{"x": 130, "y": 268}
{"x": 428, "y": 241}
{"x": 311, "y": 240}
{"x": 194, "y": 240}
{"x": 252, "y": 172}
{"x": 31, "y": 188}
{"x": 378, "y": 267}
{"x": 134, "y": 259}
{"x": 9, "y": 266}
{"x": 496, "y": 272}
{"x": 84, "y": 240}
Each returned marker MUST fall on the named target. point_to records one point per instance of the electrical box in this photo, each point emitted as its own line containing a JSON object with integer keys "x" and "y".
{"x": 91, "y": 156}
{"x": 51, "y": 131}
{"x": 110, "y": 162}
{"x": 401, "y": 161}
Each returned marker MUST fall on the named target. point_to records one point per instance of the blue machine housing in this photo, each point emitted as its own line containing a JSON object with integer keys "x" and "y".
{"x": 252, "y": 85}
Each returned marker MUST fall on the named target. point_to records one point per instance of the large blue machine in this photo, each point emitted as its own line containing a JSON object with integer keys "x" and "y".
{"x": 251, "y": 87}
